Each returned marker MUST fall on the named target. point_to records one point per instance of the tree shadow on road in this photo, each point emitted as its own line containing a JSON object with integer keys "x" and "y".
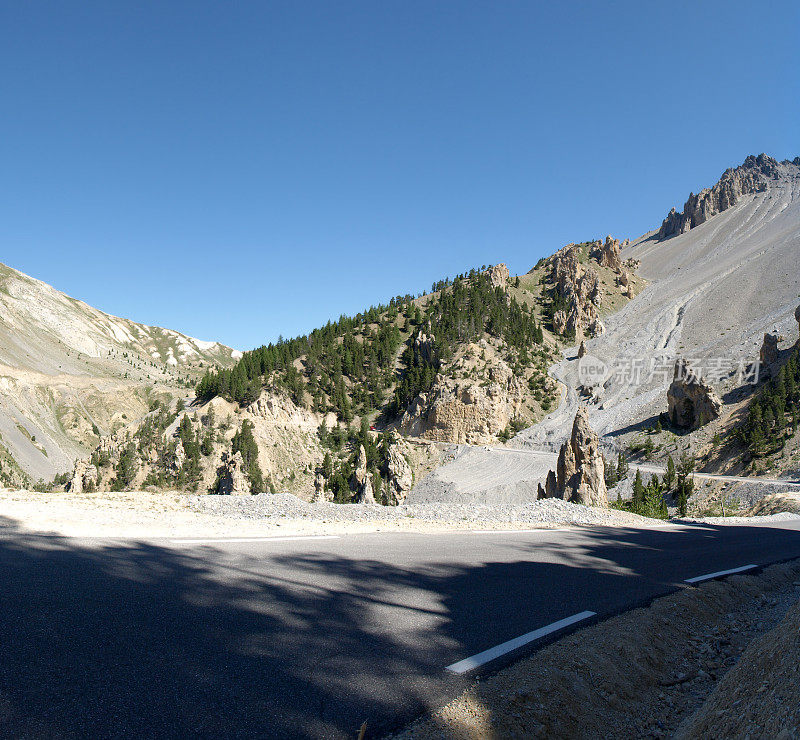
{"x": 135, "y": 639}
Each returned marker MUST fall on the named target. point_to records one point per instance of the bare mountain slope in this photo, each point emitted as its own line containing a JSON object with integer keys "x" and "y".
{"x": 69, "y": 372}
{"x": 712, "y": 293}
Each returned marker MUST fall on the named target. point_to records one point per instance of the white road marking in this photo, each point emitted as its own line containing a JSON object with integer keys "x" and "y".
{"x": 709, "y": 576}
{"x": 287, "y": 538}
{"x": 468, "y": 664}
{"x": 519, "y": 531}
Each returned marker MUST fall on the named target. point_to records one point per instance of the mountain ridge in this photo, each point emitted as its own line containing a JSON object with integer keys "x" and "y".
{"x": 70, "y": 372}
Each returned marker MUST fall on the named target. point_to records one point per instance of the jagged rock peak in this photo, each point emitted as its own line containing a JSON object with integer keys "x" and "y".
{"x": 755, "y": 175}
{"x": 463, "y": 409}
{"x": 363, "y": 479}
{"x": 608, "y": 254}
{"x": 400, "y": 476}
{"x": 580, "y": 472}
{"x": 498, "y": 275}
{"x": 579, "y": 285}
{"x": 768, "y": 356}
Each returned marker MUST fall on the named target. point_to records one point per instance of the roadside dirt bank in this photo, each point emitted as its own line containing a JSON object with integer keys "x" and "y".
{"x": 717, "y": 660}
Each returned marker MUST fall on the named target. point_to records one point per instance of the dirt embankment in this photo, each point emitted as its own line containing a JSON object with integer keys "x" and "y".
{"x": 760, "y": 696}
{"x": 711, "y": 661}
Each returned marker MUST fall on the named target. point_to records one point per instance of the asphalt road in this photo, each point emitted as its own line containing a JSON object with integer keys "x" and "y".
{"x": 307, "y": 637}
{"x": 551, "y": 458}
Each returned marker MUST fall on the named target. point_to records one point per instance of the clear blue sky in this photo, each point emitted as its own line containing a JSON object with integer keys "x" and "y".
{"x": 242, "y": 170}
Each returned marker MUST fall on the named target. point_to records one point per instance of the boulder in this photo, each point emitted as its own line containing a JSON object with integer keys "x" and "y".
{"x": 692, "y": 401}
{"x": 580, "y": 471}
{"x": 582, "y": 350}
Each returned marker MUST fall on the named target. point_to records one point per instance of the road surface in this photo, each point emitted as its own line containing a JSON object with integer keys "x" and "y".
{"x": 551, "y": 458}
{"x": 309, "y": 637}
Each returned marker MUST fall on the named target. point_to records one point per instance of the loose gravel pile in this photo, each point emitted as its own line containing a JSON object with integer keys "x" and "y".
{"x": 549, "y": 512}
{"x": 760, "y": 696}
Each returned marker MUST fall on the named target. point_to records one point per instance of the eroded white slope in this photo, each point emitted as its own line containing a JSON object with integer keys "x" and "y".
{"x": 68, "y": 370}
{"x": 713, "y": 293}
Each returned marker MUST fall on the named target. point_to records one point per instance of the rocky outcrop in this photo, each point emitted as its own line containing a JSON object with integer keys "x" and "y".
{"x": 274, "y": 408}
{"x": 692, "y": 401}
{"x": 550, "y": 489}
{"x": 755, "y": 175}
{"x": 466, "y": 406}
{"x": 797, "y": 318}
{"x": 579, "y": 286}
{"x": 425, "y": 345}
{"x": 362, "y": 480}
{"x": 608, "y": 254}
{"x": 580, "y": 471}
{"x": 768, "y": 355}
{"x": 582, "y": 350}
{"x": 400, "y": 476}
{"x": 320, "y": 494}
{"x": 498, "y": 275}
{"x": 231, "y": 478}
{"x": 84, "y": 477}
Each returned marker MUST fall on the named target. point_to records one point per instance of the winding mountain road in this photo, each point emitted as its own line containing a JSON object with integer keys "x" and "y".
{"x": 551, "y": 458}
{"x": 310, "y": 637}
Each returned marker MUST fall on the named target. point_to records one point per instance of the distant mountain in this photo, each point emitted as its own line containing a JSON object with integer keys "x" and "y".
{"x": 70, "y": 373}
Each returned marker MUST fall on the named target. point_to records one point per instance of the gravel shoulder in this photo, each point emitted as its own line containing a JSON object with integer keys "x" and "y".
{"x": 142, "y": 514}
{"x": 718, "y": 660}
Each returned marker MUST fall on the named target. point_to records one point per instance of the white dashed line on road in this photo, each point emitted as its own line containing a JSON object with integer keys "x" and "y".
{"x": 475, "y": 661}
{"x": 709, "y": 576}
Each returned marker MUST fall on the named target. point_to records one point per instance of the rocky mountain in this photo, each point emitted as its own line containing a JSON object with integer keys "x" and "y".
{"x": 755, "y": 175}
{"x": 70, "y": 373}
{"x": 353, "y": 410}
{"x": 319, "y": 415}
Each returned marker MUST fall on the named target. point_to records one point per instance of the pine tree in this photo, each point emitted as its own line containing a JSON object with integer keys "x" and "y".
{"x": 685, "y": 483}
{"x": 638, "y": 490}
{"x": 669, "y": 476}
{"x": 244, "y": 442}
{"x": 622, "y": 465}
